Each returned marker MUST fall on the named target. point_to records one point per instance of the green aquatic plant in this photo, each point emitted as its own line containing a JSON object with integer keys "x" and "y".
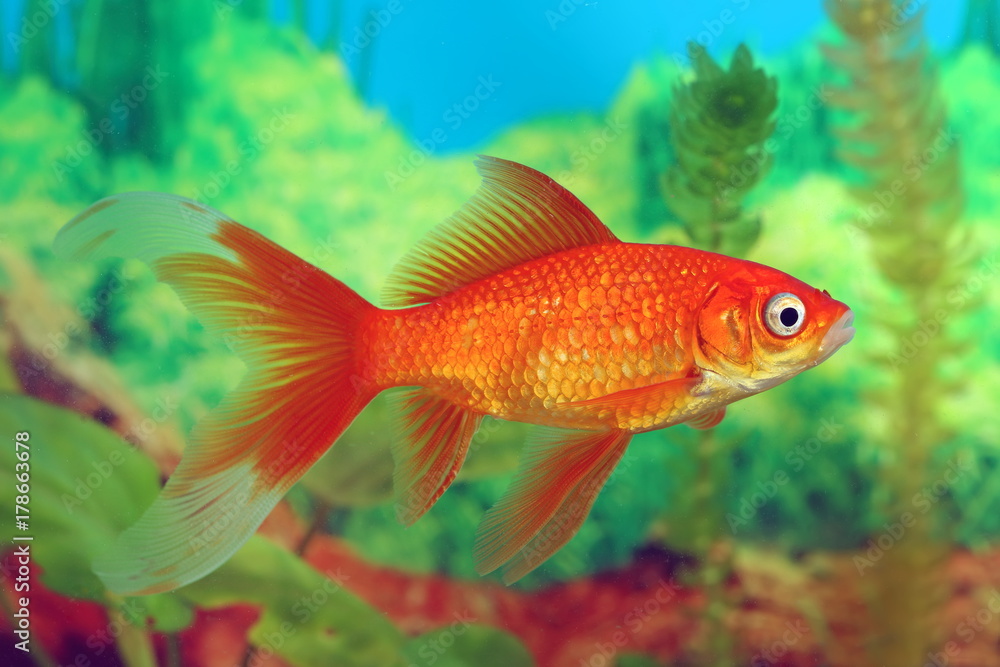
{"x": 897, "y": 140}
{"x": 87, "y": 485}
{"x": 720, "y": 123}
{"x": 320, "y": 188}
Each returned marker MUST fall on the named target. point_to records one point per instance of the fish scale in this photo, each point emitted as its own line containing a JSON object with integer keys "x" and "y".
{"x": 523, "y": 305}
{"x": 573, "y": 326}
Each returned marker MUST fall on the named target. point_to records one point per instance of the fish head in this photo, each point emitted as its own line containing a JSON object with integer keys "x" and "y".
{"x": 758, "y": 328}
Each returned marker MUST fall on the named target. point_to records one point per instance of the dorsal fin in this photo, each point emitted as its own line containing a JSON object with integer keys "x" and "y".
{"x": 517, "y": 215}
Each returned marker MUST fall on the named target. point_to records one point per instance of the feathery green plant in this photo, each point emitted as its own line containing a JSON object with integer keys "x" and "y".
{"x": 720, "y": 123}
{"x": 911, "y": 201}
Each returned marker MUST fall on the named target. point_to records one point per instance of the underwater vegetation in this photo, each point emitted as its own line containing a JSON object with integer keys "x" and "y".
{"x": 719, "y": 123}
{"x": 848, "y": 517}
{"x": 897, "y": 136}
{"x": 524, "y": 306}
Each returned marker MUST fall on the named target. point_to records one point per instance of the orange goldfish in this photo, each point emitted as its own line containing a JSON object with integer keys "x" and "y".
{"x": 522, "y": 306}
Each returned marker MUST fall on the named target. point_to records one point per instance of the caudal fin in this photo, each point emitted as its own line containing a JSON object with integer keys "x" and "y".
{"x": 293, "y": 325}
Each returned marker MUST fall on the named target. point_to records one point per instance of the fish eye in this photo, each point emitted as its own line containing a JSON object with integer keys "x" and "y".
{"x": 784, "y": 314}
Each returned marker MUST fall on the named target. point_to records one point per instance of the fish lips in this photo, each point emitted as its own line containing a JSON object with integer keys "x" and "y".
{"x": 840, "y": 333}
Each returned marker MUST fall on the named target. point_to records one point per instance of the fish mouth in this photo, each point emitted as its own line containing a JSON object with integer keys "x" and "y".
{"x": 841, "y": 332}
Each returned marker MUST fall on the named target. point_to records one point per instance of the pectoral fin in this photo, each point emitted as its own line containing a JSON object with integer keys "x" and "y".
{"x": 556, "y": 484}
{"x": 707, "y": 420}
{"x": 632, "y": 404}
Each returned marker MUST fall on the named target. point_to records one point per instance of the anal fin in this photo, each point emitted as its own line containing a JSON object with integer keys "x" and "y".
{"x": 559, "y": 477}
{"x": 430, "y": 450}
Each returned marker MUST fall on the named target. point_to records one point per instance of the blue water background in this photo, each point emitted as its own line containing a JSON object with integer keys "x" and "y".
{"x": 538, "y": 56}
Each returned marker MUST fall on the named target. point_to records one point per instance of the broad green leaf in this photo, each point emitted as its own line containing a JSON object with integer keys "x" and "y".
{"x": 308, "y": 617}
{"x": 462, "y": 644}
{"x": 86, "y": 486}
{"x": 168, "y": 612}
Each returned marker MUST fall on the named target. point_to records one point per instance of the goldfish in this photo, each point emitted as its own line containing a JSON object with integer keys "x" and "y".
{"x": 521, "y": 306}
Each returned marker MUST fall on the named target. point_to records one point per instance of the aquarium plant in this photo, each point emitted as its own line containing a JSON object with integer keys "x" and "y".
{"x": 720, "y": 123}
{"x": 895, "y": 136}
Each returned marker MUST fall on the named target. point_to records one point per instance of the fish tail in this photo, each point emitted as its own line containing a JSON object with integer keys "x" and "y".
{"x": 294, "y": 326}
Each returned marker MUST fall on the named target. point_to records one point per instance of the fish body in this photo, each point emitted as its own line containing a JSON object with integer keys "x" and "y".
{"x": 521, "y": 306}
{"x": 544, "y": 341}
